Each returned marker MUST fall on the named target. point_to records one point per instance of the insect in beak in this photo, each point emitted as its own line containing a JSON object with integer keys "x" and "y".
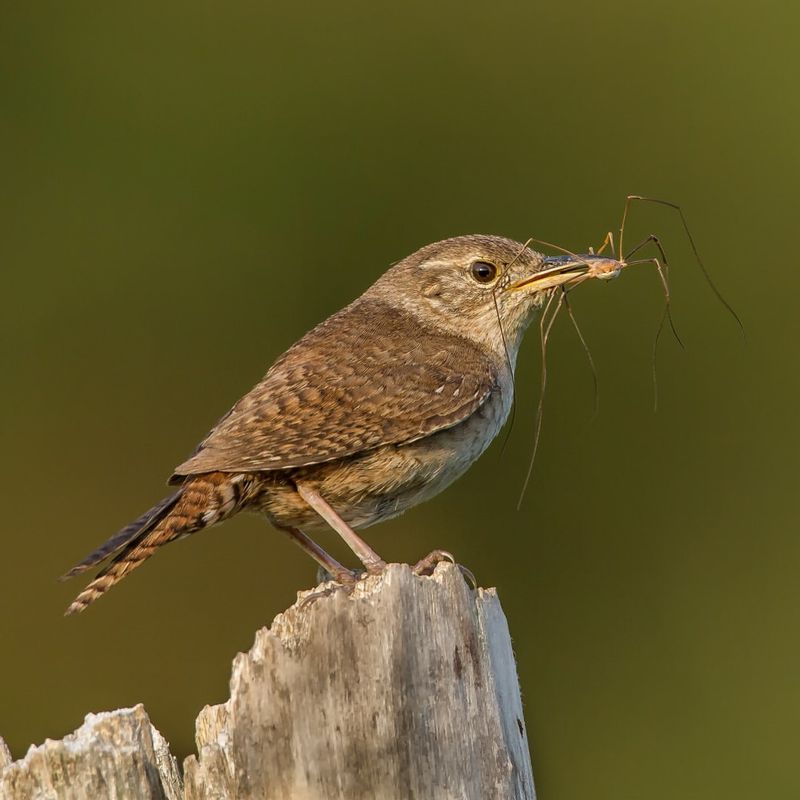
{"x": 570, "y": 269}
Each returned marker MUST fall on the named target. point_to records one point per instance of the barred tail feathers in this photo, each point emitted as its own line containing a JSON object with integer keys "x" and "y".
{"x": 202, "y": 501}
{"x": 133, "y": 530}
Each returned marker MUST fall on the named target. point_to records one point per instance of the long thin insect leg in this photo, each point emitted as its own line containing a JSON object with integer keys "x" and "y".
{"x": 665, "y": 285}
{"x": 513, "y": 382}
{"x": 622, "y": 223}
{"x": 508, "y": 357}
{"x": 652, "y": 238}
{"x": 666, "y": 314}
{"x": 608, "y": 241}
{"x": 519, "y": 253}
{"x": 657, "y": 242}
{"x": 647, "y": 240}
{"x": 545, "y": 327}
{"x": 696, "y": 252}
{"x": 586, "y": 349}
{"x": 655, "y": 356}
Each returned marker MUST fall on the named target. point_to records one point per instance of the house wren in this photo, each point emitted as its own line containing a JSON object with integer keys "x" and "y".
{"x": 378, "y": 408}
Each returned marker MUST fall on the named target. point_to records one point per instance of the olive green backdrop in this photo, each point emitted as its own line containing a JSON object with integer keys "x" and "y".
{"x": 186, "y": 188}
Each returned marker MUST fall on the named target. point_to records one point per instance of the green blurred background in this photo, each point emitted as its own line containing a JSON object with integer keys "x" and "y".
{"x": 188, "y": 187}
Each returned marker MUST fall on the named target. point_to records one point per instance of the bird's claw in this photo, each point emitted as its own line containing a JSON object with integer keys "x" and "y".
{"x": 347, "y": 576}
{"x": 427, "y": 565}
{"x": 343, "y": 581}
{"x": 347, "y": 588}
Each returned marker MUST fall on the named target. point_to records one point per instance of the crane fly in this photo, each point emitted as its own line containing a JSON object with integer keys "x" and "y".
{"x": 563, "y": 272}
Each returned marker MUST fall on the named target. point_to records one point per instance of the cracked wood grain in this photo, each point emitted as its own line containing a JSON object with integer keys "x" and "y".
{"x": 405, "y": 688}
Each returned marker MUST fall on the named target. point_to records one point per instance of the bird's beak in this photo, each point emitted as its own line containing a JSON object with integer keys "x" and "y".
{"x": 558, "y": 270}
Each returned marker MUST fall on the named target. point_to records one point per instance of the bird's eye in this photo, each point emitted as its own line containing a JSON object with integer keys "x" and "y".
{"x": 483, "y": 271}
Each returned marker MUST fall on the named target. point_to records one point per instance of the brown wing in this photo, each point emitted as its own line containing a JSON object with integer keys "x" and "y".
{"x": 359, "y": 380}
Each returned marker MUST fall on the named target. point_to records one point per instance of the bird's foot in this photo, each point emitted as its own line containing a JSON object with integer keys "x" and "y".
{"x": 427, "y": 565}
{"x": 344, "y": 577}
{"x": 341, "y": 581}
{"x": 375, "y": 566}
{"x": 347, "y": 588}
{"x": 350, "y": 575}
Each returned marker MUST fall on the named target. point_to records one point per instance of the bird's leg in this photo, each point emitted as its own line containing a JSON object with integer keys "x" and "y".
{"x": 366, "y": 555}
{"x": 337, "y": 571}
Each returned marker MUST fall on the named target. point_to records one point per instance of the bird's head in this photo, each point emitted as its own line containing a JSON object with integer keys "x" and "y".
{"x": 485, "y": 288}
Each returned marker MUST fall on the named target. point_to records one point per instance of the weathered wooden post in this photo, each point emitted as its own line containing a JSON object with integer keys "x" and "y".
{"x": 405, "y": 688}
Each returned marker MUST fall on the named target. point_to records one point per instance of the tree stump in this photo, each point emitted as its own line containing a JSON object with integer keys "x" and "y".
{"x": 405, "y": 688}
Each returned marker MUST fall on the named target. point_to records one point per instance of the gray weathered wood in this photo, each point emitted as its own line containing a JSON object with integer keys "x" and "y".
{"x": 117, "y": 755}
{"x": 405, "y": 688}
{"x": 5, "y": 755}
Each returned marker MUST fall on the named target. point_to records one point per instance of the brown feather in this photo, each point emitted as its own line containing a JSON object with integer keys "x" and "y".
{"x": 365, "y": 377}
{"x": 131, "y": 531}
{"x": 202, "y": 501}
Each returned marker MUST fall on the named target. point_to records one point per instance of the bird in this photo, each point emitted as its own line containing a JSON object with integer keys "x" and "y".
{"x": 379, "y": 407}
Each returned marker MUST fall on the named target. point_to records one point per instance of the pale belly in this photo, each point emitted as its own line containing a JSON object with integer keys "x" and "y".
{"x": 385, "y": 482}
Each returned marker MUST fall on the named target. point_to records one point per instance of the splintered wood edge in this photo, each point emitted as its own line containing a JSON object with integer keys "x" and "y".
{"x": 293, "y": 626}
{"x": 5, "y": 755}
{"x": 290, "y": 624}
{"x": 94, "y": 737}
{"x": 118, "y": 734}
{"x": 217, "y": 769}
